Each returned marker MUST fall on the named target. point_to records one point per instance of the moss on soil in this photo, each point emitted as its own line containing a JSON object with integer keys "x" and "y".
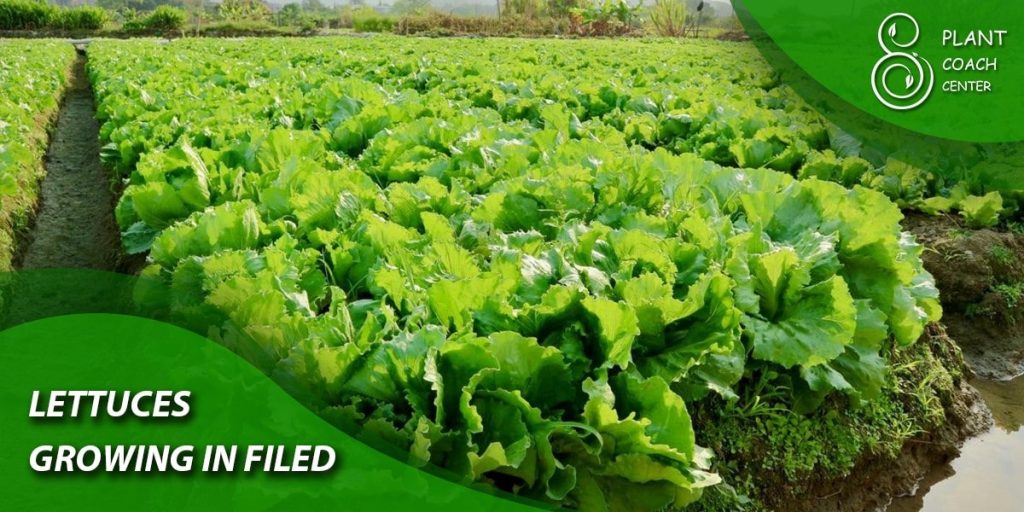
{"x": 777, "y": 460}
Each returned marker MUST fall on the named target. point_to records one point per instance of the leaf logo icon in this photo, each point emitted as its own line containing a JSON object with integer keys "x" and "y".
{"x": 918, "y": 75}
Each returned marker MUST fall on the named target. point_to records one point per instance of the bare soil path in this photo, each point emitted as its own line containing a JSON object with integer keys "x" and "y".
{"x": 74, "y": 225}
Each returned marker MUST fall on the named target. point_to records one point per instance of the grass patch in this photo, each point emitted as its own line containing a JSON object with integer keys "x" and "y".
{"x": 1011, "y": 293}
{"x": 1002, "y": 255}
{"x": 1016, "y": 227}
{"x": 957, "y": 234}
{"x": 757, "y": 453}
{"x": 975, "y": 310}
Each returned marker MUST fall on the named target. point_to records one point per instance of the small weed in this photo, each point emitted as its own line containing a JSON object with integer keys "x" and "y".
{"x": 1012, "y": 293}
{"x": 1002, "y": 255}
{"x": 1016, "y": 227}
{"x": 957, "y": 234}
{"x": 762, "y": 399}
{"x": 956, "y": 255}
{"x": 975, "y": 310}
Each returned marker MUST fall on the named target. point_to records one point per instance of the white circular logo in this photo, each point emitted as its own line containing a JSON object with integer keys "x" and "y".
{"x": 919, "y": 77}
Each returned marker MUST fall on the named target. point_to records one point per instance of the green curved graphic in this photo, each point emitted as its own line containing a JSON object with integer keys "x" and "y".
{"x": 943, "y": 69}
{"x": 231, "y": 404}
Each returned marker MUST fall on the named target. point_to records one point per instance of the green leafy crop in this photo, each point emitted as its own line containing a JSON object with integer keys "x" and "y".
{"x": 481, "y": 257}
{"x": 33, "y": 75}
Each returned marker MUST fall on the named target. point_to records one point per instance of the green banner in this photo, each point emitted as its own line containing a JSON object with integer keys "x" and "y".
{"x": 945, "y": 69}
{"x": 166, "y": 410}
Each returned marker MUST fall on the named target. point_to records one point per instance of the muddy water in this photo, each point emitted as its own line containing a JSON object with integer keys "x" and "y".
{"x": 989, "y": 473}
{"x": 74, "y": 226}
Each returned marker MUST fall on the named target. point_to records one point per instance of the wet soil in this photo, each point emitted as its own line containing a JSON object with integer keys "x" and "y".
{"x": 74, "y": 225}
{"x": 980, "y": 274}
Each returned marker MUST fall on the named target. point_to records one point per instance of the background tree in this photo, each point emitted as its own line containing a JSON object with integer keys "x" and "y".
{"x": 525, "y": 8}
{"x": 563, "y": 7}
{"x": 668, "y": 17}
{"x": 238, "y": 10}
{"x": 289, "y": 15}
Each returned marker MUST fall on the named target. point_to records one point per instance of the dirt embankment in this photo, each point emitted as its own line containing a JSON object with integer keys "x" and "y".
{"x": 877, "y": 479}
{"x": 74, "y": 225}
{"x": 981, "y": 276}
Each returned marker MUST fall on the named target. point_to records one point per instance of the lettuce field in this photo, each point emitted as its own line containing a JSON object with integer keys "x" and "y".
{"x": 502, "y": 265}
{"x": 522, "y": 261}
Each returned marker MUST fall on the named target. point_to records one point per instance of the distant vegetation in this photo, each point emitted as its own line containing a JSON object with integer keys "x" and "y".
{"x": 39, "y": 15}
{"x": 163, "y": 18}
{"x": 668, "y": 18}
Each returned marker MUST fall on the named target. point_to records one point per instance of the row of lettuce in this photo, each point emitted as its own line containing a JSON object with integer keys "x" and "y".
{"x": 516, "y": 260}
{"x": 33, "y": 76}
